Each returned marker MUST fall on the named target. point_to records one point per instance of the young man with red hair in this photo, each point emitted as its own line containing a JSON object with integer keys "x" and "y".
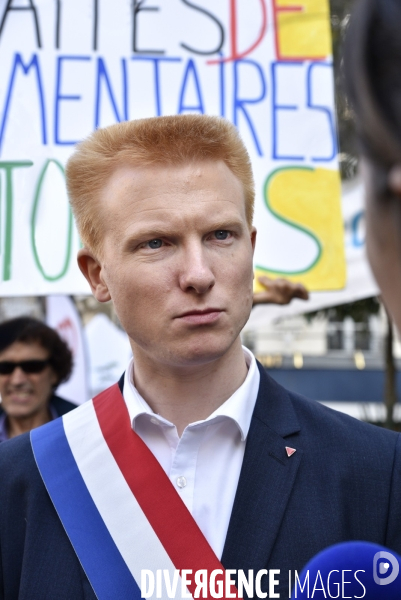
{"x": 197, "y": 460}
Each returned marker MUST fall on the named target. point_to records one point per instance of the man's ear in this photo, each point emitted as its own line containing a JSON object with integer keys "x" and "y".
{"x": 394, "y": 180}
{"x": 253, "y": 238}
{"x": 91, "y": 269}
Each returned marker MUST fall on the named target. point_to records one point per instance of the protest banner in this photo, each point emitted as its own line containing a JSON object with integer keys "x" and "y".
{"x": 67, "y": 68}
{"x": 360, "y": 281}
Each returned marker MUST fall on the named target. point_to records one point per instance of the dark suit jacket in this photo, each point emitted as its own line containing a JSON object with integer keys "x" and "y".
{"x": 61, "y": 405}
{"x": 342, "y": 483}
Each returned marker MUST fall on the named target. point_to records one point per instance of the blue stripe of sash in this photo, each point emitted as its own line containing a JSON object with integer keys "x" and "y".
{"x": 92, "y": 542}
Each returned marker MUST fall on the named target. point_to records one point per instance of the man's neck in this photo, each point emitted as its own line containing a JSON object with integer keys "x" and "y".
{"x": 18, "y": 425}
{"x": 190, "y": 394}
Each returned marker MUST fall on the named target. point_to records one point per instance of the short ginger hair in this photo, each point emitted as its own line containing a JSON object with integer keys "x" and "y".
{"x": 170, "y": 140}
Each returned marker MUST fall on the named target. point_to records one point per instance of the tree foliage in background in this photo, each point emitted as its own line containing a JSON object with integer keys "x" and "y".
{"x": 359, "y": 311}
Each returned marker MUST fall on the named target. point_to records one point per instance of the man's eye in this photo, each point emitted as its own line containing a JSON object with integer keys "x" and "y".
{"x": 155, "y": 244}
{"x": 221, "y": 234}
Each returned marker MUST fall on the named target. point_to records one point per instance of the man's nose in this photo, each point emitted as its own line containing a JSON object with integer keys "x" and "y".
{"x": 18, "y": 376}
{"x": 195, "y": 271}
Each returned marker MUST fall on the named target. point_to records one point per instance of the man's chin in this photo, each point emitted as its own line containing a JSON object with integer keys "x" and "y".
{"x": 193, "y": 355}
{"x": 191, "y": 351}
{"x": 22, "y": 411}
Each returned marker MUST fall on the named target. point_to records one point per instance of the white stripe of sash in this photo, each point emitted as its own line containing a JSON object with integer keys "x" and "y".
{"x": 131, "y": 531}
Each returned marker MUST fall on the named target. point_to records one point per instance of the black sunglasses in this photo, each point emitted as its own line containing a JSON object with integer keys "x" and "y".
{"x": 28, "y": 366}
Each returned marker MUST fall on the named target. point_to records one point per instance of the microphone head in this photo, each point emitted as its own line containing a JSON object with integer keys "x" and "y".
{"x": 351, "y": 570}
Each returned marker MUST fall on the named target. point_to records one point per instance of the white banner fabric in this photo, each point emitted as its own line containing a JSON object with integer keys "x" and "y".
{"x": 62, "y": 315}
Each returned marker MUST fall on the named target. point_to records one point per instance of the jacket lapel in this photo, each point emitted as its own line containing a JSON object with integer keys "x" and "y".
{"x": 266, "y": 479}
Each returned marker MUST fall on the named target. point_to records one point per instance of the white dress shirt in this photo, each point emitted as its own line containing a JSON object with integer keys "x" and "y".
{"x": 203, "y": 464}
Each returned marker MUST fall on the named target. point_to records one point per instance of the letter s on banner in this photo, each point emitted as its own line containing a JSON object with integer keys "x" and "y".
{"x": 307, "y": 199}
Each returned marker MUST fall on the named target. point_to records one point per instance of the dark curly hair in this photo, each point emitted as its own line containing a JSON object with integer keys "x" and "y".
{"x": 27, "y": 329}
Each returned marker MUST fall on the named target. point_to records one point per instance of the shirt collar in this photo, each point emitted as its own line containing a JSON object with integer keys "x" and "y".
{"x": 239, "y": 407}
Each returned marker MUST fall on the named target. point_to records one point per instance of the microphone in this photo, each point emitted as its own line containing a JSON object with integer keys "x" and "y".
{"x": 350, "y": 570}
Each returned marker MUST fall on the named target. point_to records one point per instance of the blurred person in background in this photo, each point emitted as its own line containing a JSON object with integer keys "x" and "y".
{"x": 34, "y": 360}
{"x": 373, "y": 77}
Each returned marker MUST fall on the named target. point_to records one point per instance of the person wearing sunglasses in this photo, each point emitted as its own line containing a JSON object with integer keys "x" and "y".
{"x": 34, "y": 360}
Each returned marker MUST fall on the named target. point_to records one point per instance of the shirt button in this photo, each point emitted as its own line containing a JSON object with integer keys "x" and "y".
{"x": 154, "y": 421}
{"x": 181, "y": 482}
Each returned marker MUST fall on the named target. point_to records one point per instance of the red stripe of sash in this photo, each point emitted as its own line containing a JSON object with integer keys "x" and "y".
{"x": 172, "y": 522}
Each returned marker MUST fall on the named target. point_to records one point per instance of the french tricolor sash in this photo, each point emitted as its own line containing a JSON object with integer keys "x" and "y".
{"x": 117, "y": 505}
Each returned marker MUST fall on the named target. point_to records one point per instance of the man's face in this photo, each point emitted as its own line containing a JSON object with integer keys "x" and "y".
{"x": 177, "y": 260}
{"x": 25, "y": 394}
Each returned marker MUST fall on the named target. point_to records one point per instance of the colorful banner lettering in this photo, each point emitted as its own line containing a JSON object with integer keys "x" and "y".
{"x": 67, "y": 68}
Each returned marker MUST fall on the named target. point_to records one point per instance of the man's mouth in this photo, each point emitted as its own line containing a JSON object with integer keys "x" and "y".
{"x": 201, "y": 317}
{"x": 19, "y": 396}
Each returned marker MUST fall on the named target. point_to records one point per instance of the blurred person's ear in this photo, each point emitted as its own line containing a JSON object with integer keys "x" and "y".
{"x": 394, "y": 180}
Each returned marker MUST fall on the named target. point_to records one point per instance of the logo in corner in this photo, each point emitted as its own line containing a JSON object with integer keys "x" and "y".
{"x": 381, "y": 565}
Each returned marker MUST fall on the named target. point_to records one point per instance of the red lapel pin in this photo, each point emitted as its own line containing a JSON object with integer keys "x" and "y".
{"x": 290, "y": 451}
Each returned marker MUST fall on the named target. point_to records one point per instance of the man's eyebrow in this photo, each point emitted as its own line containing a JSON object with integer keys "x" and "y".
{"x": 225, "y": 224}
{"x": 153, "y": 232}
{"x": 150, "y": 233}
